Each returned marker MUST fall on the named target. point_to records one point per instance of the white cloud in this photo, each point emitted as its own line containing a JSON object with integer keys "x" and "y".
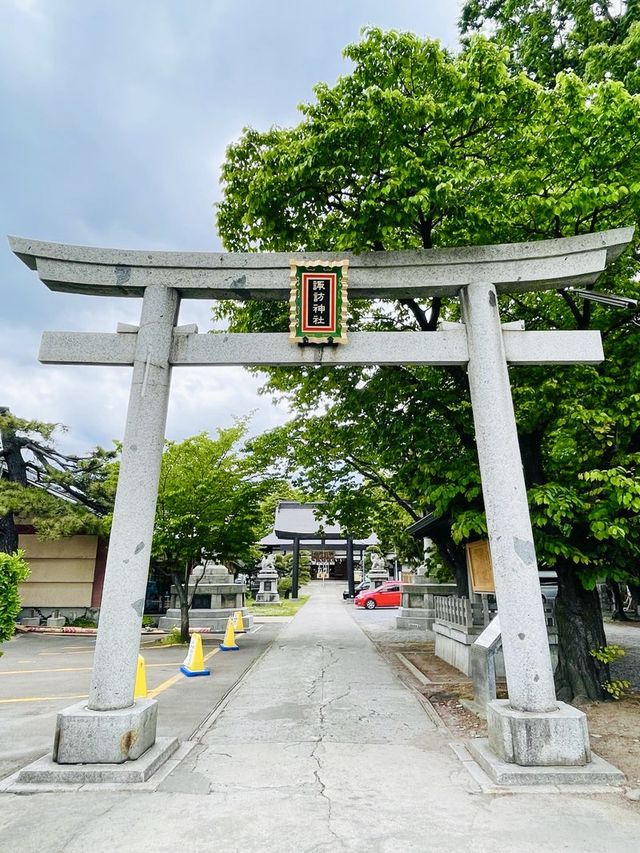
{"x": 92, "y": 401}
{"x": 208, "y": 398}
{"x": 116, "y": 116}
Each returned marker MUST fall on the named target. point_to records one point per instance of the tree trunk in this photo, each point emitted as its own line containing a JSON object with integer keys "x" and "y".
{"x": 453, "y": 557}
{"x": 184, "y": 622}
{"x": 579, "y": 620}
{"x": 12, "y": 452}
{"x": 8, "y": 534}
{"x": 16, "y": 472}
{"x": 185, "y": 608}
{"x": 181, "y": 589}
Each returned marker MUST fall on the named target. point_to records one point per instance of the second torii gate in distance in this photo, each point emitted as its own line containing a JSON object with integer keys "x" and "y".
{"x": 531, "y": 728}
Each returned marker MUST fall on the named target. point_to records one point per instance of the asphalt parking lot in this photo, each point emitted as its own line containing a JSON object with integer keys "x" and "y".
{"x": 42, "y": 673}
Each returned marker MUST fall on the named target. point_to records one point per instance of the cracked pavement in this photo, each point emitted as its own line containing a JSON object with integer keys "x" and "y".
{"x": 319, "y": 748}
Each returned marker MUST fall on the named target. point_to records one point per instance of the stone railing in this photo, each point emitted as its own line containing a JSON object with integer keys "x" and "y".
{"x": 459, "y": 622}
{"x": 450, "y": 608}
{"x": 484, "y": 610}
{"x": 549, "y": 614}
{"x": 461, "y": 611}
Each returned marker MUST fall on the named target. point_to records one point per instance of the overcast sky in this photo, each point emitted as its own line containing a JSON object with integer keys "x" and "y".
{"x": 114, "y": 119}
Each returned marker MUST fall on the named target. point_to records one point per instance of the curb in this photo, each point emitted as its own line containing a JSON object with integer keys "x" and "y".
{"x": 92, "y": 632}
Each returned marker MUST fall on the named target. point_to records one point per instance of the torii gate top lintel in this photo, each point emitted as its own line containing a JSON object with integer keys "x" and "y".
{"x": 510, "y": 267}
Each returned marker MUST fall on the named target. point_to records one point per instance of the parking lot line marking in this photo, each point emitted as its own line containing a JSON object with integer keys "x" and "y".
{"x": 75, "y": 668}
{"x": 151, "y": 693}
{"x": 62, "y": 669}
{"x": 88, "y": 649}
{"x": 64, "y": 654}
{"x": 165, "y": 685}
{"x": 40, "y": 699}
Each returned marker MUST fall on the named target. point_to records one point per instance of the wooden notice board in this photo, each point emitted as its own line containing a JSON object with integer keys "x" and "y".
{"x": 479, "y": 566}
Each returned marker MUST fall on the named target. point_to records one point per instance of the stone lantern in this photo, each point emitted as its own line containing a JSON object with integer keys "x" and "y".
{"x": 268, "y": 578}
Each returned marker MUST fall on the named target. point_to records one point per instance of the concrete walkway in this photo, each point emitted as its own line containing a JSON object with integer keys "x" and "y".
{"x": 320, "y": 748}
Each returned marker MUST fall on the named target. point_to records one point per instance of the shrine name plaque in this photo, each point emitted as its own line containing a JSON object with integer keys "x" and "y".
{"x": 318, "y": 303}
{"x": 480, "y": 568}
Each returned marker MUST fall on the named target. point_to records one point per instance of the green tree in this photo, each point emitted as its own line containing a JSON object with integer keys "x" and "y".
{"x": 209, "y": 505}
{"x": 284, "y": 565}
{"x": 597, "y": 41}
{"x": 13, "y": 570}
{"x": 60, "y": 494}
{"x": 418, "y": 148}
{"x": 333, "y": 463}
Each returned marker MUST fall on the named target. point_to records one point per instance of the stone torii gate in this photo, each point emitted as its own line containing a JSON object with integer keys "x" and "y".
{"x": 531, "y": 728}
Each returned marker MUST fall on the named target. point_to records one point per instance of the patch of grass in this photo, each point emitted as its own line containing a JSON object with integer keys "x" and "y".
{"x": 282, "y": 608}
{"x": 172, "y": 639}
{"x": 83, "y": 622}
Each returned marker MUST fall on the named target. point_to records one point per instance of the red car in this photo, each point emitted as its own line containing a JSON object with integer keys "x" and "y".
{"x": 386, "y": 595}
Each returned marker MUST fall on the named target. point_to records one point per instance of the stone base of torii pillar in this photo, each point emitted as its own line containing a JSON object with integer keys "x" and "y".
{"x": 93, "y": 737}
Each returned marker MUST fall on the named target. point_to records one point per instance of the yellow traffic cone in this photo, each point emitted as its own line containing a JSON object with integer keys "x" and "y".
{"x": 140, "y": 690}
{"x": 194, "y": 662}
{"x": 238, "y": 621}
{"x": 229, "y": 642}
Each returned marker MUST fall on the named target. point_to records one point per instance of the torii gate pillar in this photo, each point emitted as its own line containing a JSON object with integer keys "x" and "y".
{"x": 531, "y": 727}
{"x": 84, "y": 732}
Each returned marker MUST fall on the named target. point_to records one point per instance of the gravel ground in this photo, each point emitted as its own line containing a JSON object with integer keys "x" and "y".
{"x": 626, "y": 635}
{"x": 380, "y": 626}
{"x": 613, "y": 726}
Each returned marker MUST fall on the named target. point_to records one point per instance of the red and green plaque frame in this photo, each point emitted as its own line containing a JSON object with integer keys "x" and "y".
{"x": 318, "y": 302}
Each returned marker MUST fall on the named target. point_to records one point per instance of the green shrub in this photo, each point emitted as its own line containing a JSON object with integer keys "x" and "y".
{"x": 83, "y": 622}
{"x": 284, "y": 587}
{"x": 617, "y": 688}
{"x": 284, "y": 565}
{"x": 172, "y": 639}
{"x": 13, "y": 570}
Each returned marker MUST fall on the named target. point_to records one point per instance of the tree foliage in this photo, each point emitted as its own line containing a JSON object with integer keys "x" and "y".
{"x": 13, "y": 570}
{"x": 209, "y": 499}
{"x": 59, "y": 494}
{"x": 597, "y": 41}
{"x": 210, "y": 505}
{"x": 416, "y": 148}
{"x": 284, "y": 566}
